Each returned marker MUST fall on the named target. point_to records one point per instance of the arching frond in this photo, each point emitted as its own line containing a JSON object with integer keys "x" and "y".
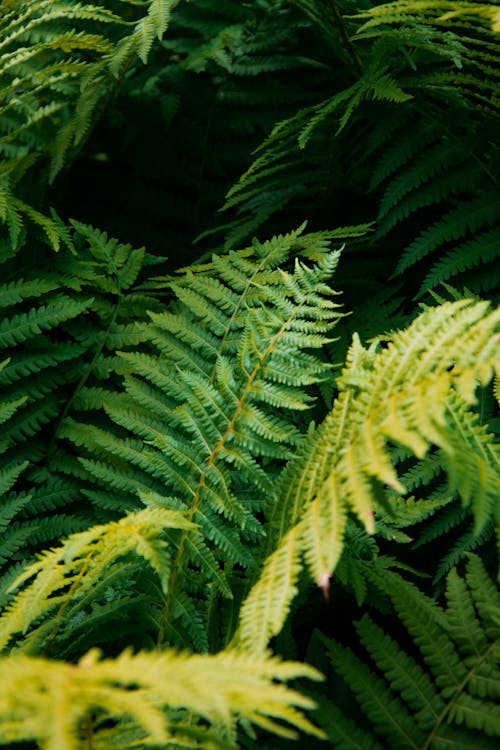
{"x": 346, "y": 463}
{"x": 61, "y": 577}
{"x": 220, "y": 399}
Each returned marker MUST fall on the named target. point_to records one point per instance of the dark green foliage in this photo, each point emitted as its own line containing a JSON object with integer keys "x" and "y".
{"x": 62, "y": 323}
{"x": 442, "y": 693}
{"x": 60, "y": 62}
{"x": 180, "y": 131}
{"x": 411, "y": 144}
{"x": 204, "y": 447}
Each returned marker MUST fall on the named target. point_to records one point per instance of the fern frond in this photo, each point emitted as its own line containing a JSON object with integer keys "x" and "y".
{"x": 152, "y": 25}
{"x": 149, "y": 696}
{"x": 80, "y": 563}
{"x": 436, "y": 698}
{"x": 72, "y": 54}
{"x": 469, "y": 216}
{"x": 202, "y": 416}
{"x": 24, "y": 326}
{"x": 482, "y": 250}
{"x": 347, "y": 462}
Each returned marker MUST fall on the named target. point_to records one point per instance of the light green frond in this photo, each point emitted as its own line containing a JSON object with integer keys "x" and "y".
{"x": 151, "y": 26}
{"x": 265, "y": 608}
{"x": 81, "y": 562}
{"x": 399, "y": 393}
{"x": 147, "y": 694}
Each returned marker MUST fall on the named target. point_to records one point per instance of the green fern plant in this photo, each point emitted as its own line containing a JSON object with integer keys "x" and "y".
{"x": 144, "y": 699}
{"x": 138, "y": 692}
{"x": 425, "y": 95}
{"x": 346, "y": 463}
{"x": 376, "y": 403}
{"x": 184, "y": 463}
{"x": 197, "y": 428}
{"x": 211, "y": 91}
{"x": 60, "y": 62}
{"x": 441, "y": 692}
{"x": 62, "y": 324}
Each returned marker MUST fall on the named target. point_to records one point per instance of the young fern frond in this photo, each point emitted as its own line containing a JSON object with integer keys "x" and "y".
{"x": 444, "y": 693}
{"x": 64, "y": 576}
{"x": 397, "y": 394}
{"x": 166, "y": 699}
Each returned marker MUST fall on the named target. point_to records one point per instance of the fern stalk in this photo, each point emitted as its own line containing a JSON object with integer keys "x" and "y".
{"x": 346, "y": 40}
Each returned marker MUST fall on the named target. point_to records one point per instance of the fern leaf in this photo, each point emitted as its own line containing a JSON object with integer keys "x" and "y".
{"x": 221, "y": 690}
{"x": 262, "y": 614}
{"x": 82, "y": 560}
{"x": 482, "y": 250}
{"x": 24, "y": 326}
{"x": 468, "y": 216}
{"x": 8, "y": 476}
{"x": 440, "y": 700}
{"x": 152, "y": 25}
{"x": 17, "y": 291}
{"x": 384, "y": 711}
{"x": 339, "y": 457}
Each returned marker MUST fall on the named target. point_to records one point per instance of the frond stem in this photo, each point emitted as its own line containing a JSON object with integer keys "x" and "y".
{"x": 346, "y": 40}
{"x": 460, "y": 688}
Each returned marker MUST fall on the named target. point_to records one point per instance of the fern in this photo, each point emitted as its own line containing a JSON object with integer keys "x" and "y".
{"x": 64, "y": 582}
{"x": 446, "y": 692}
{"x": 72, "y": 55}
{"x": 409, "y": 58}
{"x": 61, "y": 326}
{"x": 201, "y": 417}
{"x": 151, "y": 698}
{"x": 346, "y": 463}
{"x": 212, "y": 89}
{"x": 184, "y": 461}
{"x": 79, "y": 565}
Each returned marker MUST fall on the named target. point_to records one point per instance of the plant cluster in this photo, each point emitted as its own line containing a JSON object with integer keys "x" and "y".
{"x": 249, "y": 487}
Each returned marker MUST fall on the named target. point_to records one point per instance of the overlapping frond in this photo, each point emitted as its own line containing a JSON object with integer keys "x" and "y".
{"x": 445, "y": 692}
{"x": 346, "y": 464}
{"x": 64, "y": 577}
{"x": 61, "y": 325}
{"x": 409, "y": 58}
{"x": 172, "y": 427}
{"x": 167, "y": 699}
{"x": 208, "y": 420}
{"x": 59, "y": 61}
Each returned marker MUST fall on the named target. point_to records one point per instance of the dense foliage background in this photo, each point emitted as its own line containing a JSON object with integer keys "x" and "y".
{"x": 226, "y": 447}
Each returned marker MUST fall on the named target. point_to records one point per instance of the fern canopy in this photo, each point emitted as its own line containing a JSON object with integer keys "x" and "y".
{"x": 232, "y": 467}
